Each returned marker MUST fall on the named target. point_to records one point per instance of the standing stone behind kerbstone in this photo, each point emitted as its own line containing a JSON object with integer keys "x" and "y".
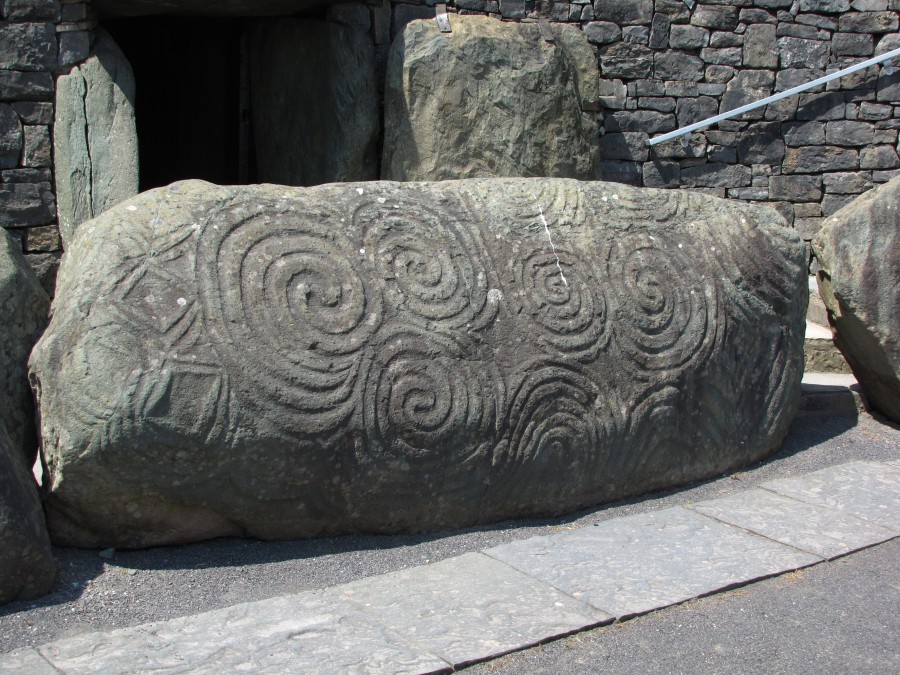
{"x": 94, "y": 136}
{"x": 387, "y": 357}
{"x": 489, "y": 99}
{"x": 315, "y": 103}
{"x": 27, "y": 569}
{"x": 859, "y": 252}
{"x": 24, "y": 307}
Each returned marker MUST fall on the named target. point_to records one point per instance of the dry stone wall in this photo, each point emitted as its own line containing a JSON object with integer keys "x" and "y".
{"x": 668, "y": 63}
{"x": 663, "y": 64}
{"x": 38, "y": 40}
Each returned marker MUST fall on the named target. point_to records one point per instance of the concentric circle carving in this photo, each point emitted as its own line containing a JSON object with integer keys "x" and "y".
{"x": 666, "y": 314}
{"x": 429, "y": 260}
{"x": 289, "y": 310}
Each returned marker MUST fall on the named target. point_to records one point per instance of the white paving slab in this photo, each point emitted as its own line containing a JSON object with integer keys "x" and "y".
{"x": 311, "y": 632}
{"x": 22, "y": 661}
{"x": 470, "y": 608}
{"x": 869, "y": 490}
{"x": 636, "y": 564}
{"x": 818, "y": 529}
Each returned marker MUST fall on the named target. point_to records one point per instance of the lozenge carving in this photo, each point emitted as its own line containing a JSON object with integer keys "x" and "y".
{"x": 386, "y": 357}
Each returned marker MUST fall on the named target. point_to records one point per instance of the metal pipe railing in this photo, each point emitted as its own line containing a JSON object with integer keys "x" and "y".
{"x": 686, "y": 130}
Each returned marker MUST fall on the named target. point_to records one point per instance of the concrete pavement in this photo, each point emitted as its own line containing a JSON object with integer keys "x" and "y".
{"x": 479, "y": 605}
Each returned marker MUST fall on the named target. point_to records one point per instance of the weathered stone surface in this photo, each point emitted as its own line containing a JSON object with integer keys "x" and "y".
{"x": 24, "y": 307}
{"x": 796, "y": 188}
{"x": 801, "y": 53}
{"x": 333, "y": 136}
{"x": 678, "y": 66}
{"x": 819, "y": 158}
{"x": 27, "y": 569}
{"x": 10, "y": 137}
{"x": 16, "y": 85}
{"x": 335, "y": 355}
{"x": 626, "y": 59}
{"x": 859, "y": 252}
{"x": 760, "y": 46}
{"x": 602, "y": 32}
{"x": 519, "y": 101}
{"x": 624, "y": 12}
{"x": 28, "y": 46}
{"x": 24, "y": 204}
{"x": 94, "y": 137}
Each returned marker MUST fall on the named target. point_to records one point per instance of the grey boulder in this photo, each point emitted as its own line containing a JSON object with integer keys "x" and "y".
{"x": 27, "y": 569}
{"x": 24, "y": 307}
{"x": 490, "y": 99}
{"x": 386, "y": 357}
{"x": 859, "y": 253}
{"x": 94, "y": 136}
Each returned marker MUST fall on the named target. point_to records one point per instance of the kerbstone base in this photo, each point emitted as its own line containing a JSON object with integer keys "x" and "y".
{"x": 387, "y": 357}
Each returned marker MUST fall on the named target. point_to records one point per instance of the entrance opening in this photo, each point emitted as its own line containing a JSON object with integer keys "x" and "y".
{"x": 192, "y": 118}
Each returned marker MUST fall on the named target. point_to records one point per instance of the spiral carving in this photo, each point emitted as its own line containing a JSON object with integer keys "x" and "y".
{"x": 429, "y": 259}
{"x": 565, "y": 301}
{"x": 666, "y": 317}
{"x": 428, "y": 403}
{"x": 559, "y": 419}
{"x": 289, "y": 311}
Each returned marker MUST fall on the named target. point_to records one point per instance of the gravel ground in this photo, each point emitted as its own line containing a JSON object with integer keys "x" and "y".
{"x": 133, "y": 587}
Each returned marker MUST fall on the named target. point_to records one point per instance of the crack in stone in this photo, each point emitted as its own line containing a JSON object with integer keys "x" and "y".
{"x": 550, "y": 239}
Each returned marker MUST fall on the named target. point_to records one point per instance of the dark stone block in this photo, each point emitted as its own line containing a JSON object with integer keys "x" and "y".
{"x": 868, "y": 22}
{"x": 661, "y": 174}
{"x": 624, "y": 12}
{"x": 629, "y": 145}
{"x": 761, "y": 144}
{"x": 24, "y": 86}
{"x": 626, "y": 60}
{"x": 690, "y": 110}
{"x": 879, "y": 157}
{"x": 659, "y": 31}
{"x": 30, "y": 10}
{"x": 852, "y": 44}
{"x": 621, "y": 172}
{"x": 648, "y": 121}
{"x": 800, "y": 53}
{"x": 848, "y": 132}
{"x": 672, "y": 65}
{"x": 10, "y": 137}
{"x": 602, "y": 32}
{"x": 716, "y": 175}
{"x": 815, "y": 159}
{"x": 25, "y": 204}
{"x": 27, "y": 46}
{"x": 827, "y": 106}
{"x": 688, "y": 37}
{"x": 720, "y": 17}
{"x": 796, "y": 188}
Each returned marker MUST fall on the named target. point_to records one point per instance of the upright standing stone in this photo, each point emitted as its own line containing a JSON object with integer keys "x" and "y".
{"x": 490, "y": 99}
{"x": 27, "y": 569}
{"x": 315, "y": 103}
{"x": 23, "y": 307}
{"x": 859, "y": 253}
{"x": 94, "y": 137}
{"x": 387, "y": 357}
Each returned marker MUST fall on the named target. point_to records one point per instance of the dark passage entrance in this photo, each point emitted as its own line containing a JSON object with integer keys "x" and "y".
{"x": 188, "y": 103}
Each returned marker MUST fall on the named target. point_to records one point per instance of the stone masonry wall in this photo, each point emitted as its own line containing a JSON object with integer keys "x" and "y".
{"x": 663, "y": 64}
{"x": 668, "y": 63}
{"x": 38, "y": 40}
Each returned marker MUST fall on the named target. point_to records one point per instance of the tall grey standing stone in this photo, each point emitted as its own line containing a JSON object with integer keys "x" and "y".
{"x": 489, "y": 99}
{"x": 94, "y": 136}
{"x": 24, "y": 307}
{"x": 315, "y": 103}
{"x": 859, "y": 253}
{"x": 384, "y": 357}
{"x": 27, "y": 569}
